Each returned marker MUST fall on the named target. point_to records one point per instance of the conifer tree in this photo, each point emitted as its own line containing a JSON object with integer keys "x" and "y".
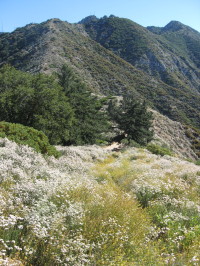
{"x": 37, "y": 101}
{"x": 90, "y": 120}
{"x": 134, "y": 119}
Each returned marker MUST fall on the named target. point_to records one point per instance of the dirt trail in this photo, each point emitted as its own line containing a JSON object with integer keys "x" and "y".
{"x": 115, "y": 146}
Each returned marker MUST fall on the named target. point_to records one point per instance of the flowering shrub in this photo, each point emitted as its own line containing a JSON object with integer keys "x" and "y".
{"x": 92, "y": 207}
{"x": 35, "y": 202}
{"x": 168, "y": 189}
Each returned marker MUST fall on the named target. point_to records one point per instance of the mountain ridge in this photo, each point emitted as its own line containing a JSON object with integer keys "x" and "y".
{"x": 173, "y": 25}
{"x": 153, "y": 53}
{"x": 46, "y": 46}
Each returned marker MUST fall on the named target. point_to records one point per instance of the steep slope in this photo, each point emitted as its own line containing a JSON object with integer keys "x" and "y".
{"x": 175, "y": 136}
{"x": 184, "y": 39}
{"x": 45, "y": 47}
{"x": 174, "y": 58}
{"x": 171, "y": 57}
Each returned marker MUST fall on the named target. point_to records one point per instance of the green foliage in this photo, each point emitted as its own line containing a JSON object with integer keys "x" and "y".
{"x": 28, "y": 136}
{"x": 143, "y": 49}
{"x": 36, "y": 101}
{"x": 197, "y": 162}
{"x": 134, "y": 119}
{"x": 66, "y": 113}
{"x": 159, "y": 150}
{"x": 120, "y": 35}
{"x": 105, "y": 72}
{"x": 90, "y": 119}
{"x": 144, "y": 196}
{"x": 130, "y": 143}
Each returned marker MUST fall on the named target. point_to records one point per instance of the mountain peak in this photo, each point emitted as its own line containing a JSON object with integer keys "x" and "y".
{"x": 173, "y": 26}
{"x": 88, "y": 19}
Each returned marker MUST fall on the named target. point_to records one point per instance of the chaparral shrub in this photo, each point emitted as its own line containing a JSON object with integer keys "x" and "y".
{"x": 159, "y": 150}
{"x": 27, "y": 136}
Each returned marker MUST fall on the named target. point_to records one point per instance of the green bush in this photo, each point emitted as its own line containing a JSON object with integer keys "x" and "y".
{"x": 28, "y": 136}
{"x": 197, "y": 162}
{"x": 130, "y": 143}
{"x": 158, "y": 150}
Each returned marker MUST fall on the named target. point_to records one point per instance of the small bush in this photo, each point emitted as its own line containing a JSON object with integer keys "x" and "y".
{"x": 130, "y": 143}
{"x": 197, "y": 162}
{"x": 158, "y": 150}
{"x": 27, "y": 136}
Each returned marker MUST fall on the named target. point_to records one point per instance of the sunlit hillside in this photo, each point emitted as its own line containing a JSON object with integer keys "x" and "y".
{"x": 100, "y": 144}
{"x": 93, "y": 206}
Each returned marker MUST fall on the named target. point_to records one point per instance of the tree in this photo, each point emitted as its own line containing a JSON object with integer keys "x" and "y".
{"x": 37, "y": 101}
{"x": 90, "y": 119}
{"x": 134, "y": 119}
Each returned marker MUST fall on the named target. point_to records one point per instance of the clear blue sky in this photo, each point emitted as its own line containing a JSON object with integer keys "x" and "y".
{"x": 18, "y": 13}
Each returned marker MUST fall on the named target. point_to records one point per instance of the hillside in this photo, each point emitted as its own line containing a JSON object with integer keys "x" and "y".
{"x": 180, "y": 139}
{"x": 95, "y": 207}
{"x": 134, "y": 202}
{"x": 171, "y": 53}
{"x": 185, "y": 40}
{"x": 45, "y": 47}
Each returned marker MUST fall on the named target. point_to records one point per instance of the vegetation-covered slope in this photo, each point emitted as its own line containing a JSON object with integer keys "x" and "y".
{"x": 45, "y": 47}
{"x": 172, "y": 54}
{"x": 182, "y": 140}
{"x": 184, "y": 39}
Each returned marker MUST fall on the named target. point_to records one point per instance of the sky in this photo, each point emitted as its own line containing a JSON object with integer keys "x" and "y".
{"x": 18, "y": 13}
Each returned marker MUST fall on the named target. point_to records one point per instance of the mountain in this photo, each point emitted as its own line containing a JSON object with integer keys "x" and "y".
{"x": 114, "y": 56}
{"x": 96, "y": 204}
{"x": 184, "y": 39}
{"x": 47, "y": 46}
{"x": 171, "y": 54}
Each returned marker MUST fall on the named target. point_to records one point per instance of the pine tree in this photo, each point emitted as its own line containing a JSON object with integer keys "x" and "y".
{"x": 134, "y": 119}
{"x": 90, "y": 120}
